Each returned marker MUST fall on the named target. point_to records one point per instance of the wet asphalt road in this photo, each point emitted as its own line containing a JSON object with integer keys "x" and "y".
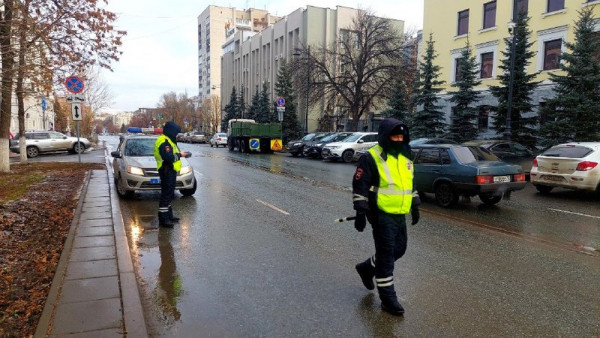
{"x": 257, "y": 254}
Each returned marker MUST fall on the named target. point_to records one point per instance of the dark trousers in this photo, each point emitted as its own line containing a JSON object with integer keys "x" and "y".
{"x": 168, "y": 181}
{"x": 390, "y": 244}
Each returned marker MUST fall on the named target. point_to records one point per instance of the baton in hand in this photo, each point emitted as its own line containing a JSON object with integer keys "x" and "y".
{"x": 349, "y": 218}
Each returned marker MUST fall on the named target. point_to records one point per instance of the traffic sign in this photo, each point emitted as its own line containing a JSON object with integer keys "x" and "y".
{"x": 75, "y": 98}
{"x": 254, "y": 144}
{"x": 280, "y": 102}
{"x": 276, "y": 145}
{"x": 44, "y": 106}
{"x": 74, "y": 84}
{"x": 76, "y": 111}
{"x": 280, "y": 111}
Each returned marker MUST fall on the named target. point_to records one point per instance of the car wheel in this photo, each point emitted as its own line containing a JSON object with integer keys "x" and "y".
{"x": 445, "y": 196}
{"x": 33, "y": 152}
{"x": 78, "y": 148}
{"x": 191, "y": 191}
{"x": 347, "y": 156}
{"x": 230, "y": 145}
{"x": 211, "y": 145}
{"x": 242, "y": 146}
{"x": 121, "y": 191}
{"x": 490, "y": 199}
{"x": 543, "y": 189}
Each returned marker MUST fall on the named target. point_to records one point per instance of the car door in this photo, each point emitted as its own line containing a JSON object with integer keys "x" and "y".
{"x": 59, "y": 141}
{"x": 504, "y": 152}
{"x": 427, "y": 168}
{"x": 42, "y": 141}
{"x": 369, "y": 140}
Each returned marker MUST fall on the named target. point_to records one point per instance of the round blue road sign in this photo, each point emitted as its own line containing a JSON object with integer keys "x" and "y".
{"x": 74, "y": 84}
{"x": 280, "y": 101}
{"x": 254, "y": 144}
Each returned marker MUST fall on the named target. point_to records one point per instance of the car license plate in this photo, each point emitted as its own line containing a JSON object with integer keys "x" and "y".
{"x": 500, "y": 179}
{"x": 553, "y": 178}
{"x": 155, "y": 181}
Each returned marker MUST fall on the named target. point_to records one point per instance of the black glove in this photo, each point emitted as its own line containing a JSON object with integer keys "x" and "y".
{"x": 414, "y": 213}
{"x": 361, "y": 221}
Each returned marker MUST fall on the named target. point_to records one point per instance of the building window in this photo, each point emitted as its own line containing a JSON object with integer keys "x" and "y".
{"x": 457, "y": 74}
{"x": 555, "y": 5}
{"x": 487, "y": 65}
{"x": 520, "y": 6}
{"x": 483, "y": 119}
{"x": 489, "y": 14}
{"x": 463, "y": 22}
{"x": 552, "y": 53}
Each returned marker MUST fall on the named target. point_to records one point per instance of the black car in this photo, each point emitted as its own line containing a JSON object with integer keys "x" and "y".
{"x": 297, "y": 146}
{"x": 313, "y": 148}
{"x": 434, "y": 140}
{"x": 508, "y": 151}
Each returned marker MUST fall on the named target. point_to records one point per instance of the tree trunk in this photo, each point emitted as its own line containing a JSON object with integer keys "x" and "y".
{"x": 7, "y": 73}
{"x": 20, "y": 92}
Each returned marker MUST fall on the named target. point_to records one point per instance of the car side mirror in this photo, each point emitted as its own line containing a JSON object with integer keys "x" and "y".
{"x": 64, "y": 137}
{"x": 115, "y": 154}
{"x": 361, "y": 141}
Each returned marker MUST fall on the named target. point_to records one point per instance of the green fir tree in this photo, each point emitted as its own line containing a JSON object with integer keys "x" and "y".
{"x": 284, "y": 88}
{"x": 231, "y": 109}
{"x": 428, "y": 121}
{"x": 242, "y": 102}
{"x": 523, "y": 122}
{"x": 264, "y": 112}
{"x": 573, "y": 113}
{"x": 463, "y": 126}
{"x": 398, "y": 102}
{"x": 252, "y": 111}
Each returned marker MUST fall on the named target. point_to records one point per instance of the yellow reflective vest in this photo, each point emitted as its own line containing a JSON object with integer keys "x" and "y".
{"x": 159, "y": 161}
{"x": 394, "y": 194}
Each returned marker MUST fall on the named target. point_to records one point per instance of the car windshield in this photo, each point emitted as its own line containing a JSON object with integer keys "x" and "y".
{"x": 570, "y": 151}
{"x": 472, "y": 154}
{"x": 331, "y": 137}
{"x": 352, "y": 138}
{"x": 140, "y": 147}
{"x": 221, "y": 135}
{"x": 308, "y": 137}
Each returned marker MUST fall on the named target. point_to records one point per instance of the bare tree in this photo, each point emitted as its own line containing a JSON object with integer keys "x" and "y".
{"x": 357, "y": 70}
{"x": 97, "y": 93}
{"x": 177, "y": 107}
{"x": 212, "y": 113}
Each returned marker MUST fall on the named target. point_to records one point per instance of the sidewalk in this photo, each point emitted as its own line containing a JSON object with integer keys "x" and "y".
{"x": 94, "y": 291}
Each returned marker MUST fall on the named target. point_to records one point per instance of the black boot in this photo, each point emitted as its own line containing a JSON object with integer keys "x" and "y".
{"x": 171, "y": 217}
{"x": 389, "y": 301}
{"x": 164, "y": 221}
{"x": 366, "y": 272}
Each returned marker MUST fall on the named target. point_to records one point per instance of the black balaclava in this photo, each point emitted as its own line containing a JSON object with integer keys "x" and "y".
{"x": 171, "y": 130}
{"x": 392, "y": 126}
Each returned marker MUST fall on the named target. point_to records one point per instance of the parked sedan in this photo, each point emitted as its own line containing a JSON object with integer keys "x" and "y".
{"x": 450, "y": 171}
{"x": 313, "y": 148}
{"x": 427, "y": 140}
{"x": 196, "y": 137}
{"x": 508, "y": 151}
{"x": 568, "y": 165}
{"x": 345, "y": 149}
{"x": 37, "y": 142}
{"x": 218, "y": 139}
{"x": 296, "y": 147}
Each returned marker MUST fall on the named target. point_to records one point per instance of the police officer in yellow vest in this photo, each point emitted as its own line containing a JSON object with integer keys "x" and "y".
{"x": 168, "y": 163}
{"x": 383, "y": 193}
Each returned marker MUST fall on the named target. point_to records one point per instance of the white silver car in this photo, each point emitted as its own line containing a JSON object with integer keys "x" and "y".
{"x": 37, "y": 142}
{"x": 134, "y": 168}
{"x": 218, "y": 139}
{"x": 345, "y": 149}
{"x": 568, "y": 165}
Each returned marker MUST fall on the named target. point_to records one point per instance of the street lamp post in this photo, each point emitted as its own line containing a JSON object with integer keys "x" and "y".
{"x": 508, "y": 129}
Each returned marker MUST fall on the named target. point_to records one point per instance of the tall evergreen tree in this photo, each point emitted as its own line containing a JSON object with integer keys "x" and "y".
{"x": 242, "y": 103}
{"x": 252, "y": 111}
{"x": 574, "y": 111}
{"x": 264, "y": 112}
{"x": 463, "y": 126}
{"x": 428, "y": 121}
{"x": 284, "y": 87}
{"x": 522, "y": 122}
{"x": 231, "y": 109}
{"x": 398, "y": 102}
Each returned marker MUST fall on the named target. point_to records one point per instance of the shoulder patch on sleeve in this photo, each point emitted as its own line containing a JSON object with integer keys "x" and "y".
{"x": 168, "y": 149}
{"x": 358, "y": 174}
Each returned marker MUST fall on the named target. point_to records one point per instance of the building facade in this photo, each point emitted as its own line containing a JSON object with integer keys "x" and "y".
{"x": 485, "y": 25}
{"x": 249, "y": 60}
{"x": 39, "y": 113}
{"x": 216, "y": 25}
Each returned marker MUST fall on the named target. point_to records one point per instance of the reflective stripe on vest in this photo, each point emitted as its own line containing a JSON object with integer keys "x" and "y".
{"x": 394, "y": 194}
{"x": 159, "y": 161}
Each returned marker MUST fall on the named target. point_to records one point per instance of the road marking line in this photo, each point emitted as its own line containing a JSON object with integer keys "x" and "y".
{"x": 574, "y": 213}
{"x": 199, "y": 173}
{"x": 273, "y": 207}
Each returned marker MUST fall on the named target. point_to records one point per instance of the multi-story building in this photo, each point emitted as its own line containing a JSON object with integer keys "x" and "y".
{"x": 215, "y": 26}
{"x": 250, "y": 60}
{"x": 485, "y": 25}
{"x": 39, "y": 113}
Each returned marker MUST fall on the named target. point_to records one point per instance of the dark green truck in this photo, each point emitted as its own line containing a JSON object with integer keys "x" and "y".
{"x": 249, "y": 136}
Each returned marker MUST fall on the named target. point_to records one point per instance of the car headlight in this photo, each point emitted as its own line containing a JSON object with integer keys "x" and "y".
{"x": 135, "y": 171}
{"x": 319, "y": 144}
{"x": 333, "y": 147}
{"x": 185, "y": 170}
{"x": 297, "y": 144}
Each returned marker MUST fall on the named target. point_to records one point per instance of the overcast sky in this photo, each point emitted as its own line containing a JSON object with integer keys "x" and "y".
{"x": 160, "y": 50}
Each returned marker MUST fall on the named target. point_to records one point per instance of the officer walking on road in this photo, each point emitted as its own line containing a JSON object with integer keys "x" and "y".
{"x": 168, "y": 163}
{"x": 383, "y": 193}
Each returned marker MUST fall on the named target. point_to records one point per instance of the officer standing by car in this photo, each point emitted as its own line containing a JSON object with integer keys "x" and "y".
{"x": 383, "y": 193}
{"x": 168, "y": 163}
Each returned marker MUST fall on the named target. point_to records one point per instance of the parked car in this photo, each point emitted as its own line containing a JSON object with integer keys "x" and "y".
{"x": 313, "y": 148}
{"x": 508, "y": 151}
{"x": 311, "y": 143}
{"x": 179, "y": 137}
{"x": 568, "y": 165}
{"x": 37, "y": 142}
{"x": 449, "y": 171}
{"x": 296, "y": 147}
{"x": 218, "y": 139}
{"x": 196, "y": 137}
{"x": 427, "y": 140}
{"x": 134, "y": 168}
{"x": 345, "y": 149}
